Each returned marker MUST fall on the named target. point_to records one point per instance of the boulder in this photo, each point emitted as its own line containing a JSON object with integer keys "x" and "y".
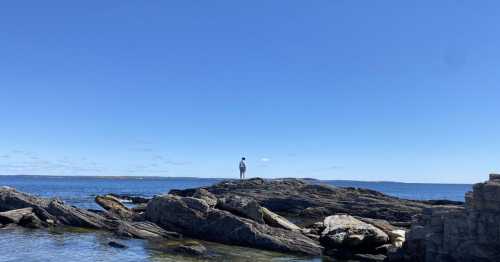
{"x": 12, "y": 199}
{"x": 242, "y": 206}
{"x": 14, "y": 216}
{"x": 114, "y": 206}
{"x": 397, "y": 237}
{"x": 396, "y": 234}
{"x": 276, "y": 220}
{"x": 77, "y": 217}
{"x": 31, "y": 221}
{"x": 195, "y": 218}
{"x": 342, "y": 231}
{"x": 208, "y": 197}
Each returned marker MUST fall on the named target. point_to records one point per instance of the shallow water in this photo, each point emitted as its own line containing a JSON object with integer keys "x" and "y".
{"x": 74, "y": 244}
{"x": 62, "y": 245}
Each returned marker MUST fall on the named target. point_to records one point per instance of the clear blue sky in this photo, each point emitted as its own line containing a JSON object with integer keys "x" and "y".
{"x": 363, "y": 90}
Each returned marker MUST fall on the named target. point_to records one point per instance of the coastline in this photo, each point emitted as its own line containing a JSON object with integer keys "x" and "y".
{"x": 312, "y": 180}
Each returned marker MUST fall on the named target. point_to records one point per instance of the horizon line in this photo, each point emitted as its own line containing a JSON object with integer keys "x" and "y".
{"x": 222, "y": 178}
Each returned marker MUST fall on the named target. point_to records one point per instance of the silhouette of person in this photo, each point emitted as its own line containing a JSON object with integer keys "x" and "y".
{"x": 243, "y": 168}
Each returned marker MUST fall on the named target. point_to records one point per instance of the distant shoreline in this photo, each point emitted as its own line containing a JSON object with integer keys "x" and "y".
{"x": 219, "y": 179}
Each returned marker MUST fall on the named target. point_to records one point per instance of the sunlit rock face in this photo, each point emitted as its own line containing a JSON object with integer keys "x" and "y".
{"x": 459, "y": 234}
{"x": 195, "y": 218}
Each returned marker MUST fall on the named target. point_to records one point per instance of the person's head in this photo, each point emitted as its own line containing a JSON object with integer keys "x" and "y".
{"x": 243, "y": 158}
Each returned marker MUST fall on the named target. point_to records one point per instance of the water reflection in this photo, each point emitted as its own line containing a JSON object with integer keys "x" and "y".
{"x": 76, "y": 244}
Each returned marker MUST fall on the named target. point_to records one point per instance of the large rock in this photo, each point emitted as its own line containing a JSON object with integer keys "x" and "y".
{"x": 31, "y": 221}
{"x": 306, "y": 203}
{"x": 195, "y": 218}
{"x": 347, "y": 232}
{"x": 396, "y": 234}
{"x": 76, "y": 217}
{"x": 210, "y": 198}
{"x": 14, "y": 216}
{"x": 449, "y": 233}
{"x": 12, "y": 199}
{"x": 242, "y": 206}
{"x": 31, "y": 211}
{"x": 114, "y": 206}
{"x": 276, "y": 220}
{"x": 142, "y": 230}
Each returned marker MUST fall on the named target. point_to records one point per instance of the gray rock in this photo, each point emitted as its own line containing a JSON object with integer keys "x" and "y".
{"x": 11, "y": 199}
{"x": 343, "y": 231}
{"x": 114, "y": 206}
{"x": 448, "y": 233}
{"x": 195, "y": 218}
{"x": 14, "y": 216}
{"x": 276, "y": 220}
{"x": 77, "y": 217}
{"x": 306, "y": 203}
{"x": 38, "y": 211}
{"x": 242, "y": 206}
{"x": 31, "y": 221}
{"x": 142, "y": 230}
{"x": 210, "y": 198}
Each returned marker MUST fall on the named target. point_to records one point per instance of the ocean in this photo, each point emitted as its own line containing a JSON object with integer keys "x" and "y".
{"x": 88, "y": 245}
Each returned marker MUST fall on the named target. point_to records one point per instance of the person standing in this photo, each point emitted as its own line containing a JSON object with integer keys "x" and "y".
{"x": 243, "y": 168}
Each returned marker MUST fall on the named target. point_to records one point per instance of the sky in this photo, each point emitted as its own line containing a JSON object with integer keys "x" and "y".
{"x": 357, "y": 90}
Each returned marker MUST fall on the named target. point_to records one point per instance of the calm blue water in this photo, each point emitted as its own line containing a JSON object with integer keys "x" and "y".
{"x": 416, "y": 191}
{"x": 25, "y": 245}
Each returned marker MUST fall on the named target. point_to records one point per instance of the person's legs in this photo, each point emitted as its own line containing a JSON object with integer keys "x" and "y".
{"x": 241, "y": 174}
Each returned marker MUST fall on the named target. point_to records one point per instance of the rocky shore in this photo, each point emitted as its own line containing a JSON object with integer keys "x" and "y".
{"x": 286, "y": 215}
{"x": 451, "y": 233}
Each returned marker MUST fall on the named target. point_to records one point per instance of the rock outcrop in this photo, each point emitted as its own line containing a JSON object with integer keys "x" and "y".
{"x": 276, "y": 220}
{"x": 14, "y": 216}
{"x": 306, "y": 203}
{"x": 114, "y": 207}
{"x": 195, "y": 218}
{"x": 242, "y": 206}
{"x": 288, "y": 215}
{"x": 448, "y": 234}
{"x": 344, "y": 236}
{"x": 30, "y": 211}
